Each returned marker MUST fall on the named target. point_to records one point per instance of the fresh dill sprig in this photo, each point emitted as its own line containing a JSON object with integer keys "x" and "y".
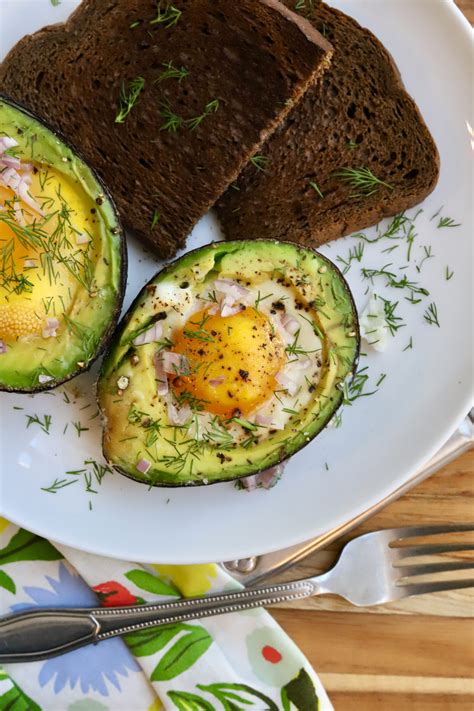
{"x": 352, "y": 145}
{"x": 172, "y": 72}
{"x": 137, "y": 23}
{"x": 381, "y": 379}
{"x": 259, "y": 162}
{"x": 355, "y": 254}
{"x": 210, "y": 108}
{"x": 354, "y": 389}
{"x": 168, "y": 17}
{"x": 129, "y": 97}
{"x": 362, "y": 180}
{"x": 218, "y": 435}
{"x": 428, "y": 254}
{"x": 44, "y": 423}
{"x": 316, "y": 188}
{"x": 171, "y": 121}
{"x": 431, "y": 315}
{"x": 57, "y": 485}
{"x": 447, "y": 222}
{"x": 392, "y": 281}
{"x": 410, "y": 345}
{"x": 260, "y": 298}
{"x": 391, "y": 319}
{"x": 79, "y": 428}
{"x": 155, "y": 219}
{"x": 448, "y": 274}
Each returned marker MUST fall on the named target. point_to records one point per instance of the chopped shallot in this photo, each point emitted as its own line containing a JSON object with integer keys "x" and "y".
{"x": 143, "y": 466}
{"x": 231, "y": 288}
{"x": 214, "y": 382}
{"x": 29, "y": 263}
{"x": 290, "y": 324}
{"x": 82, "y": 238}
{"x": 163, "y": 388}
{"x": 287, "y": 382}
{"x": 43, "y": 379}
{"x": 3, "y": 347}
{"x": 150, "y": 336}
{"x": 175, "y": 363}
{"x": 229, "y": 307}
{"x": 265, "y": 480}
{"x": 52, "y": 324}
{"x": 178, "y": 416}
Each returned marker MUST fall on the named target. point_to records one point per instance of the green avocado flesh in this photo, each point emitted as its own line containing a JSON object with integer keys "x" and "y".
{"x": 281, "y": 355}
{"x": 62, "y": 258}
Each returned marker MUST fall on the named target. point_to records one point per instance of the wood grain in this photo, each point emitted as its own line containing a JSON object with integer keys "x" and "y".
{"x": 416, "y": 654}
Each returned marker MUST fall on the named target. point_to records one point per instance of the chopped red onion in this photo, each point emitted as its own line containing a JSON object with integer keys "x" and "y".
{"x": 214, "y": 382}
{"x": 163, "y": 388}
{"x": 52, "y": 322}
{"x": 231, "y": 288}
{"x": 266, "y": 479}
{"x": 83, "y": 238}
{"x": 178, "y": 416}
{"x": 302, "y": 363}
{"x": 11, "y": 162}
{"x": 150, "y": 336}
{"x": 270, "y": 477}
{"x": 19, "y": 214}
{"x": 3, "y": 347}
{"x": 143, "y": 466}
{"x": 264, "y": 420}
{"x": 6, "y": 142}
{"x": 43, "y": 379}
{"x": 290, "y": 324}
{"x": 229, "y": 307}
{"x": 175, "y": 363}
{"x": 249, "y": 482}
{"x": 29, "y": 263}
{"x": 287, "y": 382}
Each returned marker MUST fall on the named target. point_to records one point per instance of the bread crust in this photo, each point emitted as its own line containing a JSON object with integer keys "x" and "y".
{"x": 360, "y": 100}
{"x": 253, "y": 56}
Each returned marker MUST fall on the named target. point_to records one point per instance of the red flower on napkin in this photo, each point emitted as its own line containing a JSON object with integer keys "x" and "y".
{"x": 113, "y": 594}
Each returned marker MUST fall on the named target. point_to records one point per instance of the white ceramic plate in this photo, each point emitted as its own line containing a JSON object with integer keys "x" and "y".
{"x": 383, "y": 438}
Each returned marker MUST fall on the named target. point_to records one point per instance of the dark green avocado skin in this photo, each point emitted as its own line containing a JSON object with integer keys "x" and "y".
{"x": 285, "y": 452}
{"x": 119, "y": 244}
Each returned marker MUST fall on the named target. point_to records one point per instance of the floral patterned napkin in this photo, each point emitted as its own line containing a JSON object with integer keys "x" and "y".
{"x": 238, "y": 661}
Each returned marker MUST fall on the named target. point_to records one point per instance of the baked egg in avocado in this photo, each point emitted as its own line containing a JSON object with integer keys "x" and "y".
{"x": 62, "y": 258}
{"x": 229, "y": 361}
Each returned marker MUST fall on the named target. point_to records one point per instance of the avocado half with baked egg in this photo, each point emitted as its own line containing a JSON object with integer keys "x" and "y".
{"x": 230, "y": 360}
{"x": 62, "y": 256}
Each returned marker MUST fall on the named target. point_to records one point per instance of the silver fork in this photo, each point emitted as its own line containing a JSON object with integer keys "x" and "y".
{"x": 372, "y": 569}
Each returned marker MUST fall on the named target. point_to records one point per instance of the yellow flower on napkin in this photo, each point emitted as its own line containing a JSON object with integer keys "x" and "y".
{"x": 191, "y": 580}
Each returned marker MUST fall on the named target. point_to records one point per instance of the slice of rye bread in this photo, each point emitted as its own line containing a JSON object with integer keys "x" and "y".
{"x": 357, "y": 116}
{"x": 255, "y": 57}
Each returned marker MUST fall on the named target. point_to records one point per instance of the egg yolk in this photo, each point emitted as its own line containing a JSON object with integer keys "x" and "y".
{"x": 233, "y": 361}
{"x": 34, "y": 285}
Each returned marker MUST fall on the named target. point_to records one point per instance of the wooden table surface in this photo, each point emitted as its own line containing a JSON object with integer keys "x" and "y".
{"x": 414, "y": 655}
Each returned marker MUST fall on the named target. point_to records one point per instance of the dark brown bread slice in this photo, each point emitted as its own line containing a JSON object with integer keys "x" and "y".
{"x": 358, "y": 116}
{"x": 254, "y": 56}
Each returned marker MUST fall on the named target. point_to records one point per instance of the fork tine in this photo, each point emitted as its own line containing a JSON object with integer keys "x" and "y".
{"x": 407, "y": 571}
{"x": 427, "y": 549}
{"x": 412, "y": 531}
{"x": 440, "y": 586}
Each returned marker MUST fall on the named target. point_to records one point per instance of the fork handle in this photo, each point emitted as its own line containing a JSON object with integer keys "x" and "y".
{"x": 40, "y": 634}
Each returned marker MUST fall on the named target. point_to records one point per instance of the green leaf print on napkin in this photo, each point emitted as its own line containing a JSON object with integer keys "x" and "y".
{"x": 150, "y": 583}
{"x": 15, "y": 699}
{"x": 184, "y": 701}
{"x": 28, "y": 546}
{"x": 146, "y": 642}
{"x": 226, "y": 694}
{"x": 301, "y": 693}
{"x": 182, "y": 655}
{"x": 7, "y": 583}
